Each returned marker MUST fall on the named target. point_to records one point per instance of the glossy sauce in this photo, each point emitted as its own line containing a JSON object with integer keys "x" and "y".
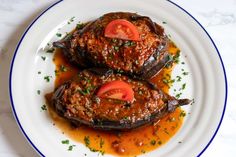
{"x": 129, "y": 143}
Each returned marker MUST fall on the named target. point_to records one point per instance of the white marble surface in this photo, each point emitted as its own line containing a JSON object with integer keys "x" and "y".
{"x": 217, "y": 16}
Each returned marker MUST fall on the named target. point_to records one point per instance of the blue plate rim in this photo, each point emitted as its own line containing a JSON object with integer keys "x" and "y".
{"x": 16, "y": 50}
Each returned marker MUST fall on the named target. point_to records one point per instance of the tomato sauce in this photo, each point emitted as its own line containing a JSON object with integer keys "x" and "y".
{"x": 130, "y": 143}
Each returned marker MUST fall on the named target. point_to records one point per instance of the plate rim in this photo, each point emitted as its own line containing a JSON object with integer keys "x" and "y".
{"x": 173, "y": 3}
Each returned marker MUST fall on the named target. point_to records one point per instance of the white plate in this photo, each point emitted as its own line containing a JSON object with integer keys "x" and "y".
{"x": 206, "y": 83}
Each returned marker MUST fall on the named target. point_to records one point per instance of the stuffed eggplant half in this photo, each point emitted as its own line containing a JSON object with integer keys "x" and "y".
{"x": 122, "y": 41}
{"x": 102, "y": 99}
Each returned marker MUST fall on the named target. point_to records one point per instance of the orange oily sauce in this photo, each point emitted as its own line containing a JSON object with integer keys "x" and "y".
{"x": 130, "y": 143}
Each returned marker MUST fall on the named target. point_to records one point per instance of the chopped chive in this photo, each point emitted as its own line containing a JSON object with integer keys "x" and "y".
{"x": 38, "y": 92}
{"x": 164, "y": 22}
{"x": 39, "y": 72}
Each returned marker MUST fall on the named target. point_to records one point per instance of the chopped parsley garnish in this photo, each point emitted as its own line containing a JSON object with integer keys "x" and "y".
{"x": 39, "y": 72}
{"x": 171, "y": 119}
{"x": 185, "y": 73}
{"x": 79, "y": 25}
{"x": 85, "y": 91}
{"x": 143, "y": 151}
{"x": 65, "y": 141}
{"x": 63, "y": 68}
{"x": 47, "y": 78}
{"x": 168, "y": 81}
{"x": 72, "y": 19}
{"x": 178, "y": 78}
{"x": 38, "y": 92}
{"x": 126, "y": 118}
{"x": 153, "y": 142}
{"x": 165, "y": 130}
{"x": 56, "y": 72}
{"x": 165, "y": 81}
{"x": 51, "y": 50}
{"x": 114, "y": 40}
{"x": 193, "y": 101}
{"x": 116, "y": 48}
{"x": 176, "y": 57}
{"x": 164, "y": 22}
{"x": 87, "y": 141}
{"x": 182, "y": 114}
{"x": 43, "y": 58}
{"x": 44, "y": 107}
{"x": 129, "y": 43}
{"x": 182, "y": 63}
{"x": 178, "y": 95}
{"x": 70, "y": 148}
{"x": 58, "y": 35}
{"x": 183, "y": 86}
{"x": 101, "y": 142}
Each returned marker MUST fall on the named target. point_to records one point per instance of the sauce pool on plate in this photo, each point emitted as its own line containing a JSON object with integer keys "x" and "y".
{"x": 130, "y": 143}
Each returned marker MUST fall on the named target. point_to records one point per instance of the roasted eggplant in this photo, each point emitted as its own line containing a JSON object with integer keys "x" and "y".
{"x": 88, "y": 46}
{"x": 79, "y": 101}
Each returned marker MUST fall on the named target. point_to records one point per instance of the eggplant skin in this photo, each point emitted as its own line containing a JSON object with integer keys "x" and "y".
{"x": 87, "y": 46}
{"x": 76, "y": 101}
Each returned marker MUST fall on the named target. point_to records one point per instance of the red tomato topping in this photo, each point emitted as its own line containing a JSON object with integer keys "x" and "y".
{"x": 122, "y": 29}
{"x": 116, "y": 90}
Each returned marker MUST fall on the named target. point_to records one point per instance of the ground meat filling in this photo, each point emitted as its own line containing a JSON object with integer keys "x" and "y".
{"x": 90, "y": 42}
{"x": 80, "y": 100}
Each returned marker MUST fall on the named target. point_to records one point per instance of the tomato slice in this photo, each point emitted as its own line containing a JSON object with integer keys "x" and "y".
{"x": 122, "y": 29}
{"x": 116, "y": 90}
